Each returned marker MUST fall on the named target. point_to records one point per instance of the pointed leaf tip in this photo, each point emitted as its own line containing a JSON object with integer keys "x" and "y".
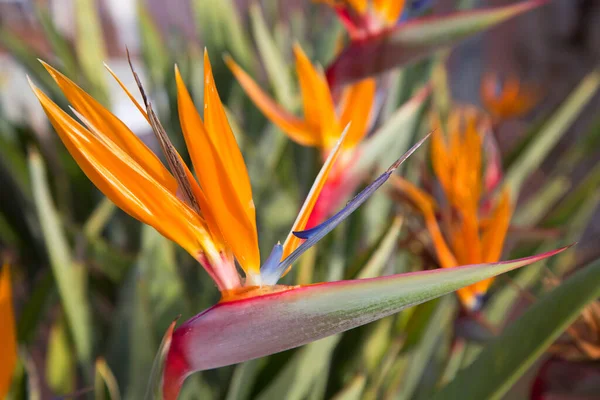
{"x": 412, "y": 41}
{"x": 165, "y": 373}
{"x": 313, "y": 235}
{"x": 241, "y": 330}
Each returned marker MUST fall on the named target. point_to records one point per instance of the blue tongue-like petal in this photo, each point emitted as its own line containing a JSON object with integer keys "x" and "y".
{"x": 315, "y": 234}
{"x": 268, "y": 271}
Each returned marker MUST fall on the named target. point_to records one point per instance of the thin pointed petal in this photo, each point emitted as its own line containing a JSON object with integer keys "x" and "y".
{"x": 231, "y": 198}
{"x": 427, "y": 206}
{"x": 297, "y": 129}
{"x": 8, "y": 335}
{"x": 313, "y": 235}
{"x": 495, "y": 232}
{"x": 319, "y": 110}
{"x": 410, "y": 42}
{"x": 268, "y": 271}
{"x": 292, "y": 241}
{"x": 114, "y": 128}
{"x": 124, "y": 181}
{"x": 209, "y": 170}
{"x": 390, "y": 10}
{"x": 308, "y": 79}
{"x": 171, "y": 383}
{"x": 358, "y": 105}
{"x": 440, "y": 160}
{"x": 241, "y": 330}
{"x": 128, "y": 93}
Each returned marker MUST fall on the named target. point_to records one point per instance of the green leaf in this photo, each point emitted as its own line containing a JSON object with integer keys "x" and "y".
{"x": 502, "y": 302}
{"x": 90, "y": 48}
{"x": 571, "y": 203}
{"x": 541, "y": 202}
{"x": 299, "y": 375}
{"x": 60, "y": 45}
{"x": 421, "y": 354}
{"x": 530, "y": 159}
{"x": 504, "y": 360}
{"x": 28, "y": 58}
{"x": 222, "y": 30}
{"x": 243, "y": 378}
{"x": 275, "y": 64}
{"x": 240, "y": 330}
{"x": 353, "y": 390}
{"x": 410, "y": 42}
{"x": 155, "y": 54}
{"x": 393, "y": 138}
{"x": 60, "y": 365}
{"x": 105, "y": 379}
{"x": 382, "y": 254}
{"x": 99, "y": 218}
{"x": 70, "y": 277}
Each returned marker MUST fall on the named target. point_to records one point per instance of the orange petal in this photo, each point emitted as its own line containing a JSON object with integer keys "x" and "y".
{"x": 440, "y": 159}
{"x": 489, "y": 91}
{"x": 113, "y": 128}
{"x": 8, "y": 334}
{"x": 133, "y": 100}
{"x": 468, "y": 296}
{"x": 495, "y": 232}
{"x": 390, "y": 10}
{"x": 204, "y": 156}
{"x": 359, "y": 5}
{"x": 468, "y": 185}
{"x": 511, "y": 101}
{"x": 319, "y": 110}
{"x": 297, "y": 130}
{"x": 125, "y": 182}
{"x": 426, "y": 205}
{"x": 357, "y": 106}
{"x": 229, "y": 192}
{"x": 292, "y": 241}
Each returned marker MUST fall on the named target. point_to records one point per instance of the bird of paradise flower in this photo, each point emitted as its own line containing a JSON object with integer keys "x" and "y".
{"x": 8, "y": 338}
{"x": 474, "y": 231}
{"x": 212, "y": 216}
{"x": 321, "y": 124}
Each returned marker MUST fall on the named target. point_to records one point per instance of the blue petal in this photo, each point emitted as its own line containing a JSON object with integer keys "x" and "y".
{"x": 315, "y": 234}
{"x": 415, "y": 9}
{"x": 268, "y": 270}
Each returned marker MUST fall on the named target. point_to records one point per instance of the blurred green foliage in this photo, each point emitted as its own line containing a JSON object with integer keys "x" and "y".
{"x": 97, "y": 290}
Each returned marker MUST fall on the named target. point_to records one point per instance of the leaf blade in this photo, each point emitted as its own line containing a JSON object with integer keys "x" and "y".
{"x": 492, "y": 374}
{"x": 412, "y": 41}
{"x": 279, "y": 321}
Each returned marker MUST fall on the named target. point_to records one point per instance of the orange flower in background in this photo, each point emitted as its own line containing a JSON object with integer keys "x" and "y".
{"x": 8, "y": 336}
{"x": 212, "y": 214}
{"x": 509, "y": 99}
{"x": 321, "y": 124}
{"x": 461, "y": 230}
{"x": 364, "y": 17}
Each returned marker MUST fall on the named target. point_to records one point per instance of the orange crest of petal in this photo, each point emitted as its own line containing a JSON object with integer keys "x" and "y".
{"x": 229, "y": 192}
{"x": 221, "y": 218}
{"x": 356, "y": 105}
{"x": 125, "y": 182}
{"x": 8, "y": 336}
{"x": 456, "y": 157}
{"x": 509, "y": 99}
{"x": 320, "y": 125}
{"x": 319, "y": 110}
{"x": 292, "y": 242}
{"x": 389, "y": 10}
{"x": 297, "y": 129}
